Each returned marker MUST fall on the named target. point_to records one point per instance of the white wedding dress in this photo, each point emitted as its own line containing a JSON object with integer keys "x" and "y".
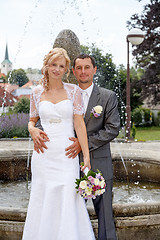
{"x": 56, "y": 211}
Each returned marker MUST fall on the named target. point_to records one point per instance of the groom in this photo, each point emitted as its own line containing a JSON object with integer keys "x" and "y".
{"x": 101, "y": 131}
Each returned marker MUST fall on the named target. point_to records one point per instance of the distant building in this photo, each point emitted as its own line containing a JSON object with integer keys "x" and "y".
{"x": 9, "y": 87}
{"x": 6, "y": 65}
{"x": 35, "y": 77}
{"x": 22, "y": 92}
{"x": 29, "y": 84}
{"x": 25, "y": 90}
{"x": 6, "y": 100}
{"x": 147, "y": 103}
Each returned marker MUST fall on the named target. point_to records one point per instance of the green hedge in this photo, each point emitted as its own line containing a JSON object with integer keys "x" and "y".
{"x": 142, "y": 117}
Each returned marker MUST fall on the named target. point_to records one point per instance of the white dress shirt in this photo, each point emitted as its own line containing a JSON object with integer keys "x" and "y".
{"x": 86, "y": 95}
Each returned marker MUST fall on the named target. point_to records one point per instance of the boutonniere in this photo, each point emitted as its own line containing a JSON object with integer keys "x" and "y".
{"x": 96, "y": 111}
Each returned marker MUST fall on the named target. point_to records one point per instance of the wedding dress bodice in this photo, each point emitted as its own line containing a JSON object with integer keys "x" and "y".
{"x": 57, "y": 119}
{"x": 73, "y": 94}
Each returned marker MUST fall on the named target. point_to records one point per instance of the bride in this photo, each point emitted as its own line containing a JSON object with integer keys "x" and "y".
{"x": 56, "y": 211}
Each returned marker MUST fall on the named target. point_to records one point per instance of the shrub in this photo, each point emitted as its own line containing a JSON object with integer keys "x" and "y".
{"x": 147, "y": 116}
{"x": 14, "y": 125}
{"x": 23, "y": 105}
{"x": 156, "y": 119}
{"x": 137, "y": 116}
{"x": 142, "y": 117}
{"x": 133, "y": 131}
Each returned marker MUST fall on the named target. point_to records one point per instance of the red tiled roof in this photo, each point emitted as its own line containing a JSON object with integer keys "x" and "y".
{"x": 27, "y": 85}
{"x": 26, "y": 96}
{"x": 9, "y": 99}
{"x": 9, "y": 87}
{"x": 2, "y": 75}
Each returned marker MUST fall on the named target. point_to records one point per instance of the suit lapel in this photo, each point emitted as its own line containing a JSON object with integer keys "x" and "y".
{"x": 94, "y": 98}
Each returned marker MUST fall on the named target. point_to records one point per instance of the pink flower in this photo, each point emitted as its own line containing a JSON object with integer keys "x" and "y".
{"x": 91, "y": 179}
{"x": 80, "y": 190}
{"x": 96, "y": 115}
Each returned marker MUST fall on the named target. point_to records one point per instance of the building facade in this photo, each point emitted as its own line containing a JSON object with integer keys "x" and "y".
{"x": 6, "y": 65}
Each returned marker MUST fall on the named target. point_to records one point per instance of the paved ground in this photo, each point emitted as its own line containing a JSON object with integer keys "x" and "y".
{"x": 140, "y": 150}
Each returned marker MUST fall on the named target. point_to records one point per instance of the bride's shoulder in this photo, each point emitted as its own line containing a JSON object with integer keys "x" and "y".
{"x": 37, "y": 89}
{"x": 71, "y": 86}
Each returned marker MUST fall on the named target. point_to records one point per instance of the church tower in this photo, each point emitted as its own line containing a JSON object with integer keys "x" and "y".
{"x": 6, "y": 65}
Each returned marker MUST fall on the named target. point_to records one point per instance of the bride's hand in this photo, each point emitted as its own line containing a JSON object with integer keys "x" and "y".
{"x": 39, "y": 137}
{"x": 86, "y": 164}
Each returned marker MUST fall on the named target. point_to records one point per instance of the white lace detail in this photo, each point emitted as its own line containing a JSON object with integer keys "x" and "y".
{"x": 73, "y": 94}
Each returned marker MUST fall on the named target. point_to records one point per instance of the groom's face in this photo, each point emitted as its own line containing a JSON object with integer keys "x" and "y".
{"x": 84, "y": 72}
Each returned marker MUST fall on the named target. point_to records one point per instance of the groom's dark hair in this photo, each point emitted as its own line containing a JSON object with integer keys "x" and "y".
{"x": 83, "y": 56}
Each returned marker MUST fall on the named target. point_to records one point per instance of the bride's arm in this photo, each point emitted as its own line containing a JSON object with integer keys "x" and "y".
{"x": 39, "y": 137}
{"x": 81, "y": 132}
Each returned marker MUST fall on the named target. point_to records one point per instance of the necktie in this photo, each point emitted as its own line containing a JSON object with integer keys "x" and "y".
{"x": 85, "y": 99}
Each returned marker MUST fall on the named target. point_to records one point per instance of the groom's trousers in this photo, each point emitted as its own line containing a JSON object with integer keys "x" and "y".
{"x": 103, "y": 209}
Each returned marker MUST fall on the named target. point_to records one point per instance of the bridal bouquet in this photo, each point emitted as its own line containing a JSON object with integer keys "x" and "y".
{"x": 91, "y": 185}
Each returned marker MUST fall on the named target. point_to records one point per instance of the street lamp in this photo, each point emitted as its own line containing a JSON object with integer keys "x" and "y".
{"x": 135, "y": 37}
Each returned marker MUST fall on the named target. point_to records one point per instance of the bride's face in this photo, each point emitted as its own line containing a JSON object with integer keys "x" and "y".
{"x": 57, "y": 68}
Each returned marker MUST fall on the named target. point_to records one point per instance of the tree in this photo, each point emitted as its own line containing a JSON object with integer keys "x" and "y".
{"x": 23, "y": 105}
{"x": 3, "y": 79}
{"x": 18, "y": 76}
{"x": 135, "y": 75}
{"x": 148, "y": 53}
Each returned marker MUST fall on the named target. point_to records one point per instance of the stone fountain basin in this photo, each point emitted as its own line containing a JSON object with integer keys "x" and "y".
{"x": 133, "y": 221}
{"x": 142, "y": 160}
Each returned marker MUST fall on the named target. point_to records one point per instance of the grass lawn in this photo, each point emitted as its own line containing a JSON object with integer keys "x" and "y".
{"x": 147, "y": 133}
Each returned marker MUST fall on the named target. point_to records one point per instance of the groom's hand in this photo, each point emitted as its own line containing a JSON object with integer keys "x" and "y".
{"x": 73, "y": 150}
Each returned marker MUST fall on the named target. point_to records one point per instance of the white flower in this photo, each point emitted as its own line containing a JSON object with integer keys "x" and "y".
{"x": 96, "y": 181}
{"x": 102, "y": 191}
{"x": 102, "y": 183}
{"x": 83, "y": 184}
{"x": 98, "y": 109}
{"x": 98, "y": 192}
{"x": 88, "y": 191}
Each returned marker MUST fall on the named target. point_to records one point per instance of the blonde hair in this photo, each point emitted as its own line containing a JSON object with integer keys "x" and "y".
{"x": 48, "y": 59}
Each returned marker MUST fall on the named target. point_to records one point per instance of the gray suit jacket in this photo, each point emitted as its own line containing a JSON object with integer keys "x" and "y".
{"x": 102, "y": 130}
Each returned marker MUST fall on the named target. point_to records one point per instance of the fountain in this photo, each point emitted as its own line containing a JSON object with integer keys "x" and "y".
{"x": 142, "y": 164}
{"x": 138, "y": 218}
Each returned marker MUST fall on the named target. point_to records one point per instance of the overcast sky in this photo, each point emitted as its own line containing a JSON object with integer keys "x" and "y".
{"x": 31, "y": 26}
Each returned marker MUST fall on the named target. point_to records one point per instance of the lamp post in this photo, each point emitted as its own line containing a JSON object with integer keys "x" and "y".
{"x": 135, "y": 37}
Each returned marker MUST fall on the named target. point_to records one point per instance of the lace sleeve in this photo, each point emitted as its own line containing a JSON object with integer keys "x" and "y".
{"x": 34, "y": 101}
{"x": 78, "y": 107}
{"x": 33, "y": 108}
